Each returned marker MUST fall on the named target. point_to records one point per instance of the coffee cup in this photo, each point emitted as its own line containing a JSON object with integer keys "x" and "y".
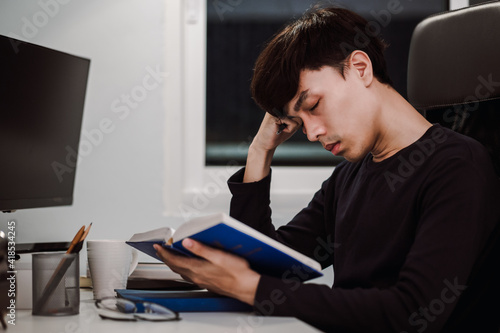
{"x": 110, "y": 264}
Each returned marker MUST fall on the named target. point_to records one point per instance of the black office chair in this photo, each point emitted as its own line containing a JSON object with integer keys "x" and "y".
{"x": 454, "y": 80}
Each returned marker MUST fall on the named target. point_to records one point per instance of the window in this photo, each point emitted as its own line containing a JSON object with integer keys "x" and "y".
{"x": 210, "y": 117}
{"x": 237, "y": 32}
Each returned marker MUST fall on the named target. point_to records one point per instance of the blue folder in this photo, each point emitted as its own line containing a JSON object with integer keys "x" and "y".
{"x": 186, "y": 301}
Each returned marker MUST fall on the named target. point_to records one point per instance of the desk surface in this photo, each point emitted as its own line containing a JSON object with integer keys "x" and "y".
{"x": 217, "y": 322}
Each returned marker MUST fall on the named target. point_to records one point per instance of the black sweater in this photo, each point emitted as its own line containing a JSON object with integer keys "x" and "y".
{"x": 402, "y": 236}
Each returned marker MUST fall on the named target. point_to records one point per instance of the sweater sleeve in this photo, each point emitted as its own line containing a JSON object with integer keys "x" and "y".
{"x": 456, "y": 217}
{"x": 306, "y": 232}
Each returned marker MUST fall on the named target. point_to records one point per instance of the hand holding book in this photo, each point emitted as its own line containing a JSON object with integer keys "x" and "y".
{"x": 224, "y": 255}
{"x": 214, "y": 269}
{"x": 264, "y": 255}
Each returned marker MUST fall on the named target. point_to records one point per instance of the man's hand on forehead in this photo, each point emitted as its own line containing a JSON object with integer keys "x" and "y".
{"x": 282, "y": 124}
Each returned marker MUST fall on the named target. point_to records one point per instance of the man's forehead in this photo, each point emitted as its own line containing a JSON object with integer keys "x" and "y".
{"x": 303, "y": 90}
{"x": 295, "y": 104}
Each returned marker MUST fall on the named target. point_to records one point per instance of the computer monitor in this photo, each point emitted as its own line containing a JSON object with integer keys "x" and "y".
{"x": 42, "y": 94}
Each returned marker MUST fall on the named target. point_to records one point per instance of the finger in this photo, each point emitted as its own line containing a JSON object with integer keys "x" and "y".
{"x": 171, "y": 258}
{"x": 177, "y": 263}
{"x": 185, "y": 277}
{"x": 292, "y": 124}
{"x": 209, "y": 253}
{"x": 161, "y": 252}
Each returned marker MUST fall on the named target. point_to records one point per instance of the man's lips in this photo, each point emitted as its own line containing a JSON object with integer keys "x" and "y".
{"x": 334, "y": 148}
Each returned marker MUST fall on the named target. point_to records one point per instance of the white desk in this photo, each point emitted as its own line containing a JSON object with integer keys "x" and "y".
{"x": 88, "y": 321}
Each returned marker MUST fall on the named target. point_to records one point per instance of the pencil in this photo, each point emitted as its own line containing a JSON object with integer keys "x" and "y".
{"x": 75, "y": 240}
{"x": 85, "y": 233}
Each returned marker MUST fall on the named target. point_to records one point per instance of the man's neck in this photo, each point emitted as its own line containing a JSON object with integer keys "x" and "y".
{"x": 400, "y": 125}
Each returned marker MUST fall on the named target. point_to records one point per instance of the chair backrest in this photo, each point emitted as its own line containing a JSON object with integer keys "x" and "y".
{"x": 454, "y": 72}
{"x": 454, "y": 80}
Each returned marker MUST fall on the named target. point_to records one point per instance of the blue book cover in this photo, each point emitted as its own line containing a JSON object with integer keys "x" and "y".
{"x": 264, "y": 254}
{"x": 186, "y": 301}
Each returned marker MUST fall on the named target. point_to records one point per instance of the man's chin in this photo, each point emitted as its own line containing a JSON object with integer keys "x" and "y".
{"x": 352, "y": 157}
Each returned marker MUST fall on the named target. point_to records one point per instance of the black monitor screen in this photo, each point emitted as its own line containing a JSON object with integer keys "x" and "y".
{"x": 42, "y": 94}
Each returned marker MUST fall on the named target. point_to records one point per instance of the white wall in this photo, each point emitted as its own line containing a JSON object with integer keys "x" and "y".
{"x": 119, "y": 183}
{"x": 131, "y": 180}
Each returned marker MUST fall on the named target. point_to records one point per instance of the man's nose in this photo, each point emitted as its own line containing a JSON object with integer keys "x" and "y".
{"x": 312, "y": 134}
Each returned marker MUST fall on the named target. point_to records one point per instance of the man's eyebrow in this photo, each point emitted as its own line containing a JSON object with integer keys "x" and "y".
{"x": 302, "y": 97}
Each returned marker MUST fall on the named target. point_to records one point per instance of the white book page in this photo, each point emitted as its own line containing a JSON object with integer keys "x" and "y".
{"x": 198, "y": 224}
{"x": 160, "y": 234}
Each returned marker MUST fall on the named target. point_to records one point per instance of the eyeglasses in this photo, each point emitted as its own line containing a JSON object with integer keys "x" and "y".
{"x": 122, "y": 309}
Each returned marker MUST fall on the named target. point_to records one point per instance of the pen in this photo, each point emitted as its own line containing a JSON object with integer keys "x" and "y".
{"x": 281, "y": 128}
{"x": 282, "y": 125}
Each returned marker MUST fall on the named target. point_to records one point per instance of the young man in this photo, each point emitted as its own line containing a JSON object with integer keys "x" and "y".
{"x": 402, "y": 221}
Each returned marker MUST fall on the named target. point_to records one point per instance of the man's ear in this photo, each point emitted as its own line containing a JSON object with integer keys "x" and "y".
{"x": 361, "y": 65}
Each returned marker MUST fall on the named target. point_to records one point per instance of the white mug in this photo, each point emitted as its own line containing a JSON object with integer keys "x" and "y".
{"x": 110, "y": 264}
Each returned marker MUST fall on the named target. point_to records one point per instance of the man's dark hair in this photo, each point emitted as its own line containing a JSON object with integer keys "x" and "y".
{"x": 321, "y": 37}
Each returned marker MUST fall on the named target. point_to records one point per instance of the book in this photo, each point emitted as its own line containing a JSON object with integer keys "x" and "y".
{"x": 265, "y": 255}
{"x": 157, "y": 276}
{"x": 186, "y": 301}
